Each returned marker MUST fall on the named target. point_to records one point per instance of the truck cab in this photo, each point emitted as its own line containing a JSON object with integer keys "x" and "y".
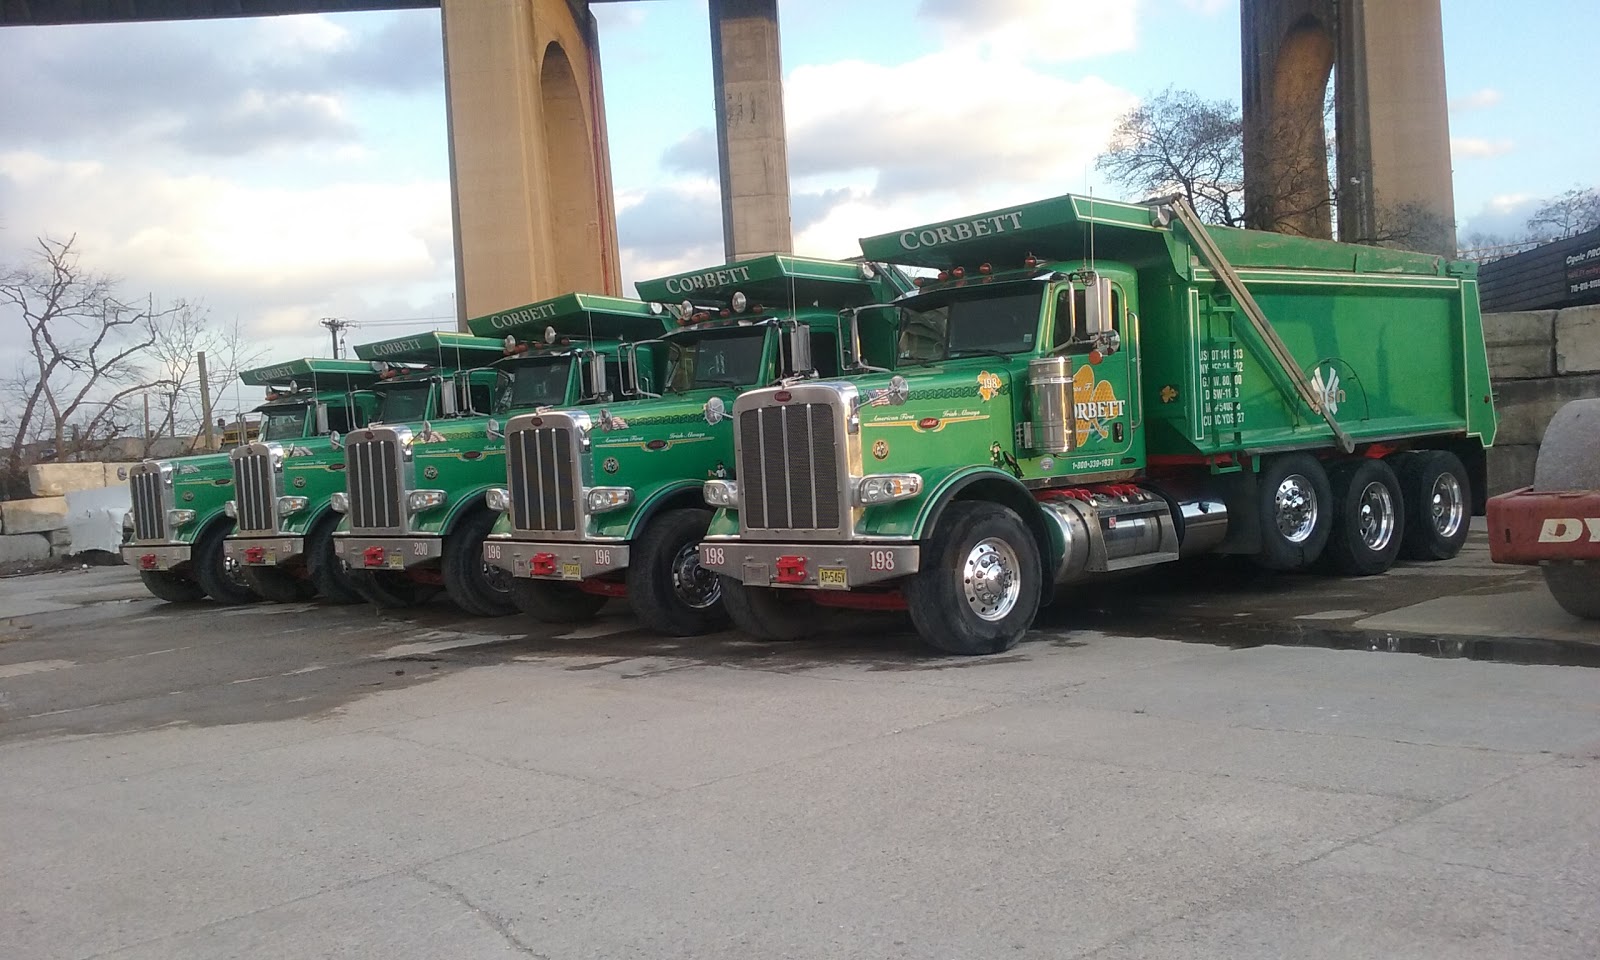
{"x": 415, "y": 511}
{"x": 607, "y": 502}
{"x": 180, "y": 506}
{"x": 1086, "y": 387}
{"x": 283, "y": 482}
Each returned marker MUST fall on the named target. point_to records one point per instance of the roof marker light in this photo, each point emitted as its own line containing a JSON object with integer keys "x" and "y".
{"x": 985, "y": 269}
{"x": 958, "y": 272}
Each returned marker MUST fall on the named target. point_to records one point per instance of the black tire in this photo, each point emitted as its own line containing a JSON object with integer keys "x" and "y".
{"x": 473, "y": 584}
{"x": 957, "y": 612}
{"x": 1576, "y": 587}
{"x": 667, "y": 587}
{"x": 278, "y": 584}
{"x": 772, "y": 614}
{"x": 1567, "y": 461}
{"x": 1294, "y": 506}
{"x": 221, "y": 582}
{"x": 391, "y": 589}
{"x": 171, "y": 587}
{"x": 1438, "y": 498}
{"x": 1368, "y": 520}
{"x": 323, "y": 566}
{"x": 549, "y": 601}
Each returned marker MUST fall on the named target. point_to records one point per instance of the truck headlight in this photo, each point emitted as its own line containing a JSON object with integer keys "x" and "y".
{"x": 340, "y": 502}
{"x": 498, "y": 499}
{"x": 178, "y": 518}
{"x": 887, "y": 487}
{"x": 721, "y": 493}
{"x": 288, "y": 505}
{"x": 605, "y": 499}
{"x": 420, "y": 500}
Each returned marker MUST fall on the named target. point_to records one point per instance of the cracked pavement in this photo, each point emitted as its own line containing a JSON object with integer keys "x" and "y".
{"x": 310, "y": 781}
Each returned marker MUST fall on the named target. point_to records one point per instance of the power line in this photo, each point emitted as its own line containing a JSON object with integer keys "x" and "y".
{"x": 335, "y": 326}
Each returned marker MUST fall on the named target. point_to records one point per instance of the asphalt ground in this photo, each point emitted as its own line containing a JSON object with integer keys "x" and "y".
{"x": 1197, "y": 762}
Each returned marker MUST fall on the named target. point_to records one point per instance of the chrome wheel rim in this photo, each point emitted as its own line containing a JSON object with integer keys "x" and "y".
{"x": 695, "y": 587}
{"x": 1294, "y": 508}
{"x": 1375, "y": 518}
{"x": 1449, "y": 510}
{"x": 991, "y": 579}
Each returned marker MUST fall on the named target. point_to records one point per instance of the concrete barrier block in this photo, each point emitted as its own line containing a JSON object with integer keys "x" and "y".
{"x": 1523, "y": 327}
{"x": 1522, "y": 361}
{"x": 1526, "y": 406}
{"x": 1511, "y": 466}
{"x": 1578, "y": 340}
{"x": 38, "y": 515}
{"x": 112, "y": 480}
{"x": 23, "y": 546}
{"x": 57, "y": 479}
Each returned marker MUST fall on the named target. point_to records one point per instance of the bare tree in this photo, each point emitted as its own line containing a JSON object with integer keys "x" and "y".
{"x": 1176, "y": 142}
{"x": 1568, "y": 214}
{"x": 185, "y": 333}
{"x": 84, "y": 348}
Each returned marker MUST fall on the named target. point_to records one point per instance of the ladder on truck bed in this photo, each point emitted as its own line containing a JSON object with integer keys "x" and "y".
{"x": 1219, "y": 265}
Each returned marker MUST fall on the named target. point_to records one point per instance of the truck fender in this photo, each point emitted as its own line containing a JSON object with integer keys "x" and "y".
{"x": 995, "y": 486}
{"x": 679, "y": 493}
{"x": 470, "y": 502}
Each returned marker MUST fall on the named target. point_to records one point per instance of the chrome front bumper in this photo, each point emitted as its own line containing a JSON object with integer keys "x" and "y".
{"x": 387, "y": 553}
{"x": 555, "y": 561}
{"x": 155, "y": 557}
{"x": 813, "y": 566}
{"x": 263, "y": 551}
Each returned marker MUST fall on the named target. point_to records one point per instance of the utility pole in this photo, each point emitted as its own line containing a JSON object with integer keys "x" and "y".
{"x": 205, "y": 402}
{"x": 335, "y": 325}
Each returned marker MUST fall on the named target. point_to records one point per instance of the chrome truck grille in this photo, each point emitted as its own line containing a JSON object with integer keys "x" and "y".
{"x": 148, "y": 494}
{"x": 372, "y": 462}
{"x": 795, "y": 460}
{"x": 255, "y": 488}
{"x": 545, "y": 473}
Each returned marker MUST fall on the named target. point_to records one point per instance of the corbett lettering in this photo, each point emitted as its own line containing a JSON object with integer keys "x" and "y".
{"x": 962, "y": 230}
{"x": 709, "y": 280}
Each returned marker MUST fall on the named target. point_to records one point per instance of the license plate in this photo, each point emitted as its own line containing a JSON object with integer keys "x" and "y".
{"x": 572, "y": 571}
{"x": 270, "y": 557}
{"x": 832, "y": 578}
{"x": 396, "y": 561}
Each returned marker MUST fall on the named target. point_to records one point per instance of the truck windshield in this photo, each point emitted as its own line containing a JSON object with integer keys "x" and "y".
{"x": 400, "y": 402}
{"x": 284, "y": 423}
{"x": 715, "y": 359}
{"x": 533, "y": 383}
{"x": 954, "y": 323}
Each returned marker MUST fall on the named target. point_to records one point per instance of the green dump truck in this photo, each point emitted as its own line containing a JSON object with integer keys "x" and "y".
{"x": 283, "y": 538}
{"x": 415, "y": 511}
{"x": 180, "y": 506}
{"x": 1088, "y": 387}
{"x": 607, "y": 503}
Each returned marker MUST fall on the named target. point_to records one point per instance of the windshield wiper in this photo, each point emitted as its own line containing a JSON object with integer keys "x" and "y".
{"x": 702, "y": 382}
{"x": 981, "y": 352}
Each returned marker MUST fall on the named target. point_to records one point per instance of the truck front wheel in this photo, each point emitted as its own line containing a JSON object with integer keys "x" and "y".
{"x": 171, "y": 587}
{"x": 979, "y": 586}
{"x": 1295, "y": 507}
{"x": 278, "y": 584}
{"x": 550, "y": 602}
{"x": 667, "y": 587}
{"x": 390, "y": 589}
{"x": 771, "y": 614}
{"x": 475, "y": 585}
{"x": 325, "y": 568}
{"x": 219, "y": 577}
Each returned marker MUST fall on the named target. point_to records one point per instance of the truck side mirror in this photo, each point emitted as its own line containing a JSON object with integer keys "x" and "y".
{"x": 1097, "y": 306}
{"x": 799, "y": 337}
{"x": 322, "y": 419}
{"x": 597, "y": 374}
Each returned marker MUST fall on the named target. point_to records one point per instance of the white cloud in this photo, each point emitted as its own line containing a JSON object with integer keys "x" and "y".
{"x": 1035, "y": 29}
{"x": 1480, "y": 147}
{"x": 1209, "y": 8}
{"x": 1477, "y": 100}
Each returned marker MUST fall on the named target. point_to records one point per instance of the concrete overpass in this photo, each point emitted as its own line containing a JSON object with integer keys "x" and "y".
{"x": 530, "y": 162}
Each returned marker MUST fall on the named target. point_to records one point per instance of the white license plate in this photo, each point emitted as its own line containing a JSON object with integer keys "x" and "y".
{"x": 396, "y": 561}
{"x": 832, "y": 578}
{"x": 572, "y": 571}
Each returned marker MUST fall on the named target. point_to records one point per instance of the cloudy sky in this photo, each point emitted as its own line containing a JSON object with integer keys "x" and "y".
{"x": 288, "y": 169}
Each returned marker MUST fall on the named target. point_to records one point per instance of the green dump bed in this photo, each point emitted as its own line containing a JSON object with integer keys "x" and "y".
{"x": 1391, "y": 342}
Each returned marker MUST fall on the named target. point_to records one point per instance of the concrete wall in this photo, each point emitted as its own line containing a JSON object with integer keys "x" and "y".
{"x": 1538, "y": 360}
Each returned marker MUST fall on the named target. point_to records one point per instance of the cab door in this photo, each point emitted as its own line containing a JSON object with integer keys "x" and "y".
{"x": 1104, "y": 401}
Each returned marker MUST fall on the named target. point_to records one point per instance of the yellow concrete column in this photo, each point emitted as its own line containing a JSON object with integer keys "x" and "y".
{"x": 747, "y": 72}
{"x": 530, "y": 175}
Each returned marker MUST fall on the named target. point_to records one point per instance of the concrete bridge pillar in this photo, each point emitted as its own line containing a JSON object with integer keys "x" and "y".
{"x": 1394, "y": 176}
{"x": 530, "y": 167}
{"x": 752, "y": 151}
